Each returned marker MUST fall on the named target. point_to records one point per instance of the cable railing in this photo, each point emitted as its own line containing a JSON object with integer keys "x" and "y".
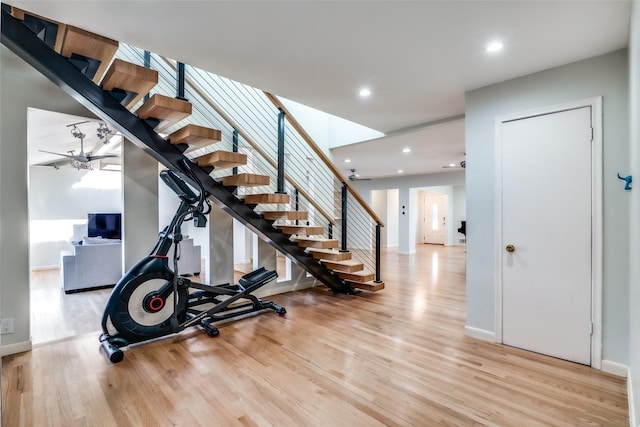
{"x": 258, "y": 124}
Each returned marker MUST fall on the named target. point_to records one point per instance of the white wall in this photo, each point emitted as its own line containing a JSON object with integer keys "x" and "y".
{"x": 58, "y": 199}
{"x": 634, "y": 253}
{"x": 606, "y": 76}
{"x": 391, "y": 224}
{"x": 385, "y": 204}
{"x": 379, "y": 204}
{"x": 22, "y": 87}
{"x": 459, "y": 212}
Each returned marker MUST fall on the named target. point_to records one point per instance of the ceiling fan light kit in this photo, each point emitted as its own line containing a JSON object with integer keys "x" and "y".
{"x": 83, "y": 160}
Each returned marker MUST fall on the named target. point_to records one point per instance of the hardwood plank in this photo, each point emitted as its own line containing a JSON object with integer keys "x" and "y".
{"x": 346, "y": 265}
{"x": 356, "y": 276}
{"x": 368, "y": 286}
{"x": 329, "y": 254}
{"x": 195, "y": 136}
{"x": 168, "y": 110}
{"x": 90, "y": 45}
{"x": 301, "y": 230}
{"x": 315, "y": 242}
{"x": 222, "y": 159}
{"x": 285, "y": 215}
{"x": 245, "y": 180}
{"x": 130, "y": 77}
{"x": 394, "y": 358}
{"x": 269, "y": 198}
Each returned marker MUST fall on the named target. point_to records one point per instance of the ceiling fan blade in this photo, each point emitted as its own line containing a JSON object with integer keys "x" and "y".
{"x": 68, "y": 156}
{"x": 105, "y": 156}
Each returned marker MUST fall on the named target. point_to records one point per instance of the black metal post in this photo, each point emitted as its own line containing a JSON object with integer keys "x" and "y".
{"x": 281, "y": 152}
{"x": 377, "y": 278}
{"x": 180, "y": 94}
{"x": 296, "y": 201}
{"x": 147, "y": 64}
{"x": 343, "y": 246}
{"x": 235, "y": 148}
{"x": 330, "y": 232}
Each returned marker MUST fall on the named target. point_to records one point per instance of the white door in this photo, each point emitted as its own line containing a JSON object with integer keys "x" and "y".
{"x": 435, "y": 218}
{"x": 546, "y": 220}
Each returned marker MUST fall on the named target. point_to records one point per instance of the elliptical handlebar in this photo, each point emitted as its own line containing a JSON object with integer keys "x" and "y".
{"x": 179, "y": 187}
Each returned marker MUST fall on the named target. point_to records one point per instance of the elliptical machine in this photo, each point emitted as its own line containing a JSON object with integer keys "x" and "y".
{"x": 152, "y": 300}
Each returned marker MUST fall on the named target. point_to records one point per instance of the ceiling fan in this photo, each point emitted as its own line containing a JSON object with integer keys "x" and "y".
{"x": 355, "y": 177}
{"x": 462, "y": 164}
{"x": 82, "y": 157}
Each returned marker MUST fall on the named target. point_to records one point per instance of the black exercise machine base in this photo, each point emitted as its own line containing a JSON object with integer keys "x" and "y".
{"x": 206, "y": 304}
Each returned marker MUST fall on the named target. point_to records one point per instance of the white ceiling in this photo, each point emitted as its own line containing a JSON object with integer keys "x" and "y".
{"x": 418, "y": 57}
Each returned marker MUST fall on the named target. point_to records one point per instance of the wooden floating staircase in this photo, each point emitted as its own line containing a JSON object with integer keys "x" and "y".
{"x": 128, "y": 83}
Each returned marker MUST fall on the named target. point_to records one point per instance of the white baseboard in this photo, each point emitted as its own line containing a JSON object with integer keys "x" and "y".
{"x": 19, "y": 347}
{"x": 45, "y": 267}
{"x": 614, "y": 368}
{"x": 632, "y": 407}
{"x": 481, "y": 334}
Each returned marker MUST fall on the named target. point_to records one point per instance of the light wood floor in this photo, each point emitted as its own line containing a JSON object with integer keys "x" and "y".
{"x": 396, "y": 358}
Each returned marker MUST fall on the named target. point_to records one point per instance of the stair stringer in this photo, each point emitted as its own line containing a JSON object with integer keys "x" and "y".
{"x": 20, "y": 40}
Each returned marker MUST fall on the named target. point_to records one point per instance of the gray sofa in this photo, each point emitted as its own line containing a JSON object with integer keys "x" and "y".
{"x": 92, "y": 264}
{"x": 190, "y": 258}
{"x": 97, "y": 263}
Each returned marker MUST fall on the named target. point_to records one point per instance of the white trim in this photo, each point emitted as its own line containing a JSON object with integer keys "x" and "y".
{"x": 46, "y": 267}
{"x": 19, "y": 347}
{"x": 596, "y": 212}
{"x": 631, "y": 402}
{"x": 615, "y": 368}
{"x": 481, "y": 334}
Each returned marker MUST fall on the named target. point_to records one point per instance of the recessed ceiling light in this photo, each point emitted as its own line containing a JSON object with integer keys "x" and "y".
{"x": 365, "y": 92}
{"x": 406, "y": 150}
{"x": 400, "y": 171}
{"x": 494, "y": 47}
{"x": 347, "y": 160}
{"x": 452, "y": 165}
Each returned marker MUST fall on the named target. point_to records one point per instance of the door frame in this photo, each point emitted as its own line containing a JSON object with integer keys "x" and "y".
{"x": 596, "y": 214}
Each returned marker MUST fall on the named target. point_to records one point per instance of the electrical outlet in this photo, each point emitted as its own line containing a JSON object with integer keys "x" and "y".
{"x": 6, "y": 326}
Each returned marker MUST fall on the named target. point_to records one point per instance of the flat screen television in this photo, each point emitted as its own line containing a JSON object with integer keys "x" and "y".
{"x": 105, "y": 225}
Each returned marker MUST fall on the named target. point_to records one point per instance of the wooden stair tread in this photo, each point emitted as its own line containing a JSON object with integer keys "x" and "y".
{"x": 301, "y": 230}
{"x": 90, "y": 45}
{"x": 130, "y": 77}
{"x": 195, "y": 136}
{"x": 168, "y": 110}
{"x": 268, "y": 198}
{"x": 329, "y": 254}
{"x": 222, "y": 159}
{"x": 348, "y": 266}
{"x": 356, "y": 276}
{"x": 245, "y": 180}
{"x": 285, "y": 215}
{"x": 370, "y": 286}
{"x": 315, "y": 242}
{"x": 60, "y": 30}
